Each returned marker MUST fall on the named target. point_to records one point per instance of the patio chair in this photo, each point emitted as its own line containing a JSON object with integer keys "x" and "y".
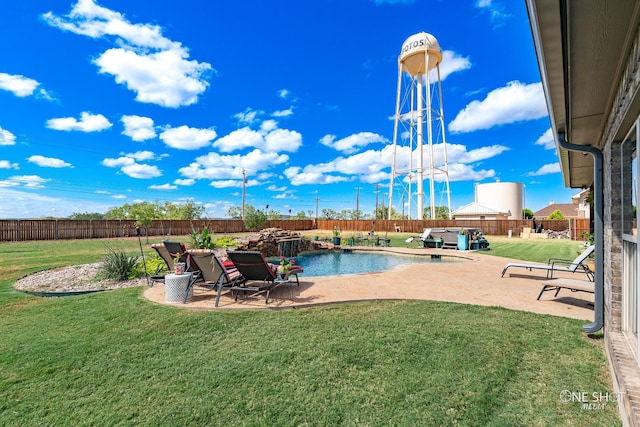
{"x": 215, "y": 274}
{"x": 177, "y": 250}
{"x": 254, "y": 267}
{"x": 425, "y": 240}
{"x": 161, "y": 271}
{"x": 558, "y": 264}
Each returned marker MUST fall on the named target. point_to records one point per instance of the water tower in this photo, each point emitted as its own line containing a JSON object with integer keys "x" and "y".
{"x": 419, "y": 110}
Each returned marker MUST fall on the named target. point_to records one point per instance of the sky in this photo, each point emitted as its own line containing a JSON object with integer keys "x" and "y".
{"x": 109, "y": 102}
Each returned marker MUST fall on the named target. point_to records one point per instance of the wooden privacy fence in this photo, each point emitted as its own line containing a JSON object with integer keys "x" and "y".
{"x": 16, "y": 230}
{"x": 53, "y": 229}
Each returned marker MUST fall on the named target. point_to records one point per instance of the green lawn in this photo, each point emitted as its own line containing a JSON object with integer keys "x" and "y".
{"x": 115, "y": 359}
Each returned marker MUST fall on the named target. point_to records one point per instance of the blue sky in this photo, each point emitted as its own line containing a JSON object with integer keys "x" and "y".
{"x": 113, "y": 102}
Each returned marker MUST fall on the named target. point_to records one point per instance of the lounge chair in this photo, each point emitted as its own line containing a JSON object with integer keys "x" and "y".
{"x": 161, "y": 271}
{"x": 574, "y": 285}
{"x": 214, "y": 272}
{"x": 255, "y": 268}
{"x": 426, "y": 240}
{"x": 558, "y": 264}
{"x": 177, "y": 250}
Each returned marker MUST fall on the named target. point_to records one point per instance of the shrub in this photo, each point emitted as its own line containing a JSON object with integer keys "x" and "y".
{"x": 203, "y": 240}
{"x": 226, "y": 242}
{"x": 154, "y": 263}
{"x": 118, "y": 265}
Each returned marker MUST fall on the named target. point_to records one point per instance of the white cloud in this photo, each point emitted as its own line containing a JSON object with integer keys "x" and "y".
{"x": 451, "y": 63}
{"x": 283, "y": 93}
{"x": 481, "y": 153}
{"x": 184, "y": 182}
{"x": 163, "y": 187}
{"x": 215, "y": 166}
{"x": 513, "y": 103}
{"x": 248, "y": 116}
{"x": 120, "y": 161}
{"x": 88, "y": 123}
{"x": 267, "y": 126}
{"x": 27, "y": 181}
{"x": 187, "y": 138}
{"x": 6, "y": 164}
{"x": 48, "y": 162}
{"x": 239, "y": 139}
{"x": 283, "y": 113}
{"x": 496, "y": 10}
{"x": 19, "y": 85}
{"x": 299, "y": 176}
{"x": 164, "y": 78}
{"x": 546, "y": 169}
{"x": 141, "y": 156}
{"x": 153, "y": 66}
{"x": 141, "y": 171}
{"x": 352, "y": 143}
{"x": 129, "y": 166}
{"x": 273, "y": 140}
{"x": 6, "y": 137}
{"x": 547, "y": 140}
{"x": 138, "y": 128}
{"x": 373, "y": 166}
{"x": 282, "y": 140}
{"x": 227, "y": 183}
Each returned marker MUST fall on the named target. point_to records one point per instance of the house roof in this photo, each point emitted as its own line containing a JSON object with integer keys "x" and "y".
{"x": 478, "y": 209}
{"x": 569, "y": 210}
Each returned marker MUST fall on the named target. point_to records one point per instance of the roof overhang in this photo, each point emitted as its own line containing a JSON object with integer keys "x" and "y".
{"x": 583, "y": 47}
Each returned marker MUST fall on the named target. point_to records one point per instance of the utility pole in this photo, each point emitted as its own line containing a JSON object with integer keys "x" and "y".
{"x": 385, "y": 195}
{"x": 357, "y": 203}
{"x": 377, "y": 191}
{"x": 317, "y": 199}
{"x": 244, "y": 190}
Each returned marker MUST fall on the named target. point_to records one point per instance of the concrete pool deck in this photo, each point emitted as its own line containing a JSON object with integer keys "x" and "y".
{"x": 474, "y": 280}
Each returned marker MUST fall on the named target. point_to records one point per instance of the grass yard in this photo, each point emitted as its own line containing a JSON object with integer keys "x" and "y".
{"x": 113, "y": 358}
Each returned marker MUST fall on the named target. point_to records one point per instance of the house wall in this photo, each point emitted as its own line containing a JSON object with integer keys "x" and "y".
{"x": 612, "y": 236}
{"x": 483, "y": 216}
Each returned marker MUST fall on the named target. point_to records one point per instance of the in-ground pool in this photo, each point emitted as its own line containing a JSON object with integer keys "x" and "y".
{"x": 330, "y": 263}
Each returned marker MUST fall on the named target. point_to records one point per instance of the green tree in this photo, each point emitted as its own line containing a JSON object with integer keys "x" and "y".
{"x": 254, "y": 219}
{"x": 556, "y": 215}
{"x": 274, "y": 214}
{"x": 235, "y": 212}
{"x": 86, "y": 215}
{"x": 383, "y": 212}
{"x": 527, "y": 213}
{"x": 442, "y": 212}
{"x": 144, "y": 212}
{"x": 329, "y": 214}
{"x": 184, "y": 210}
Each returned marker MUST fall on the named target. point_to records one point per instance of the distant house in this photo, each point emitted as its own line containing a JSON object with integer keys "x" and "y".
{"x": 579, "y": 208}
{"x": 478, "y": 211}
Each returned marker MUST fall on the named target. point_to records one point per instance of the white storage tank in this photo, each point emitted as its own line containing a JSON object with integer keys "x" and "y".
{"x": 501, "y": 196}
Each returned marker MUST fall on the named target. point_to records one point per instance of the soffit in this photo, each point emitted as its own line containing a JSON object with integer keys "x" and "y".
{"x": 582, "y": 48}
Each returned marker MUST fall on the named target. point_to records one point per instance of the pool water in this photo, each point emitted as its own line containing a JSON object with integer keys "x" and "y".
{"x": 330, "y": 263}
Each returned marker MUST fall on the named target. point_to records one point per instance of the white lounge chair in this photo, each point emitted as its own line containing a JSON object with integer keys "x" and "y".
{"x": 557, "y": 264}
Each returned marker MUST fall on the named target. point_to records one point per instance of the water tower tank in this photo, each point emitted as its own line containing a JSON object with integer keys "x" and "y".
{"x": 414, "y": 49}
{"x": 501, "y": 196}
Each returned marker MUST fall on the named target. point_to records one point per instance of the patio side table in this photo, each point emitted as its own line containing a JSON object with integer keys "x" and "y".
{"x": 177, "y": 287}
